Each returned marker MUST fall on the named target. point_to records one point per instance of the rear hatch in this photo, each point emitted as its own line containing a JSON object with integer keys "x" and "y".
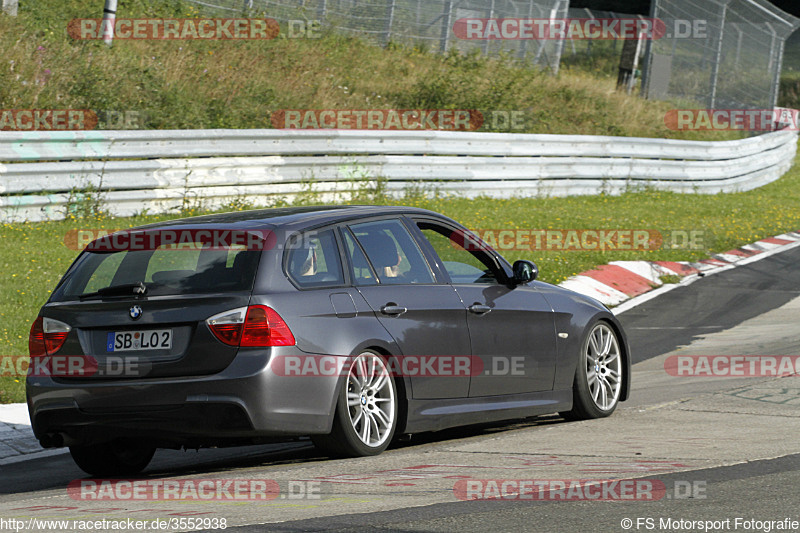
{"x": 137, "y": 307}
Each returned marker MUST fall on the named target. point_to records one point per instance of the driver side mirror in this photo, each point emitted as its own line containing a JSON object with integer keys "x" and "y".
{"x": 524, "y": 272}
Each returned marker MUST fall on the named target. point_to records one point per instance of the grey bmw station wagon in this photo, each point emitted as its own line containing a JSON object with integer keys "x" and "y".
{"x": 353, "y": 325}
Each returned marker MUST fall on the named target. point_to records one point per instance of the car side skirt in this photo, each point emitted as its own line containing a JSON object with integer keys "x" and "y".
{"x": 434, "y": 415}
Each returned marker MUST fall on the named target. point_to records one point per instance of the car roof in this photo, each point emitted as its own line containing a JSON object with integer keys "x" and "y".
{"x": 290, "y": 216}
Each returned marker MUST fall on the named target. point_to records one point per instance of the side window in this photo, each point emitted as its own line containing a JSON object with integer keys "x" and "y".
{"x": 464, "y": 266}
{"x": 391, "y": 250}
{"x": 313, "y": 260}
{"x": 359, "y": 267}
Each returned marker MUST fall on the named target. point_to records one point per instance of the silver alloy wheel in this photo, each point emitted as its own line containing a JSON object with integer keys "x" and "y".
{"x": 603, "y": 367}
{"x": 370, "y": 399}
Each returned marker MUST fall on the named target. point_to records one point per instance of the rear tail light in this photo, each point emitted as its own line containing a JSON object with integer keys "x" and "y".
{"x": 256, "y": 325}
{"x": 47, "y": 336}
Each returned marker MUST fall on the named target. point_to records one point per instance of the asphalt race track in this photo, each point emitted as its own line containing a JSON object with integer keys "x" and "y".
{"x": 721, "y": 448}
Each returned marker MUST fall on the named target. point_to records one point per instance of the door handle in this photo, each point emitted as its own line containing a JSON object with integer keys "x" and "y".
{"x": 393, "y": 309}
{"x": 479, "y": 309}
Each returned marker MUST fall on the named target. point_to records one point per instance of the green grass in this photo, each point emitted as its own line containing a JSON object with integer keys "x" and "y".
{"x": 239, "y": 84}
{"x": 35, "y": 256}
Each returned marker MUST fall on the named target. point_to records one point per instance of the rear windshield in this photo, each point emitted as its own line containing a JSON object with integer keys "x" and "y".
{"x": 166, "y": 270}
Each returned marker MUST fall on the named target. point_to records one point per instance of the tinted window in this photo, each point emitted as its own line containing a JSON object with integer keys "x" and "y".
{"x": 462, "y": 265}
{"x": 314, "y": 261}
{"x": 186, "y": 269}
{"x": 360, "y": 269}
{"x": 391, "y": 250}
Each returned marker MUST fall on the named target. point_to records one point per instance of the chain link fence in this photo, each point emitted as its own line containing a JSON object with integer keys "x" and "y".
{"x": 423, "y": 23}
{"x": 718, "y": 53}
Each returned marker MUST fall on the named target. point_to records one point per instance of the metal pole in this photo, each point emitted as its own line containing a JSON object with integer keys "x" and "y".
{"x": 738, "y": 47}
{"x": 712, "y": 98}
{"x": 523, "y": 44}
{"x": 322, "y": 10}
{"x": 109, "y": 18}
{"x": 387, "y": 34}
{"x": 648, "y": 53}
{"x": 560, "y": 43}
{"x": 446, "y": 18}
{"x": 776, "y": 81}
{"x": 589, "y": 43}
{"x": 485, "y": 45}
{"x": 772, "y": 43}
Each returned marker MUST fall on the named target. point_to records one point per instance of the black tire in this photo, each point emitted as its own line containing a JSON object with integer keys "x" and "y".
{"x": 344, "y": 440}
{"x": 584, "y": 404}
{"x": 116, "y": 458}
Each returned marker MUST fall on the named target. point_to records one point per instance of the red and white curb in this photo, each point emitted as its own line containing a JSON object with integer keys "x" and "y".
{"x": 626, "y": 284}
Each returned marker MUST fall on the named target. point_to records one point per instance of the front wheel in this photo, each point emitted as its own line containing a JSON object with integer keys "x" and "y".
{"x": 366, "y": 410}
{"x": 116, "y": 458}
{"x": 598, "y": 377}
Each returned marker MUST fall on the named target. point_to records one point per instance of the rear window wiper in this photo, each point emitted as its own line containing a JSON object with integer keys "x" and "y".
{"x": 125, "y": 289}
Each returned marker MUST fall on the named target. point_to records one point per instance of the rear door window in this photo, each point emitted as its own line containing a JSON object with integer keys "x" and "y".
{"x": 393, "y": 253}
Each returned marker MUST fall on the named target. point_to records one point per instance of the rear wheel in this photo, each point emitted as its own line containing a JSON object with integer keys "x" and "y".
{"x": 116, "y": 458}
{"x": 598, "y": 377}
{"x": 366, "y": 411}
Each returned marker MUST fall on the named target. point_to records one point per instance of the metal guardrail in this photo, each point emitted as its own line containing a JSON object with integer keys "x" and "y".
{"x": 46, "y": 173}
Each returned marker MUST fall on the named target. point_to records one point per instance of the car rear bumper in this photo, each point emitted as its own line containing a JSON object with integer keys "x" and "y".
{"x": 247, "y": 400}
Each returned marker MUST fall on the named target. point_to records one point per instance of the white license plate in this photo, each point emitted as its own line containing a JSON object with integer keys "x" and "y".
{"x": 124, "y": 341}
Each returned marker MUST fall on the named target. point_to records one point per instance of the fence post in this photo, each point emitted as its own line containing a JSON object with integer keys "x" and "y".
{"x": 322, "y": 10}
{"x": 648, "y": 53}
{"x": 485, "y": 45}
{"x": 776, "y": 59}
{"x": 523, "y": 43}
{"x": 712, "y": 97}
{"x": 446, "y": 23}
{"x": 109, "y": 21}
{"x": 10, "y": 7}
{"x": 738, "y": 46}
{"x": 387, "y": 33}
{"x": 556, "y": 64}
